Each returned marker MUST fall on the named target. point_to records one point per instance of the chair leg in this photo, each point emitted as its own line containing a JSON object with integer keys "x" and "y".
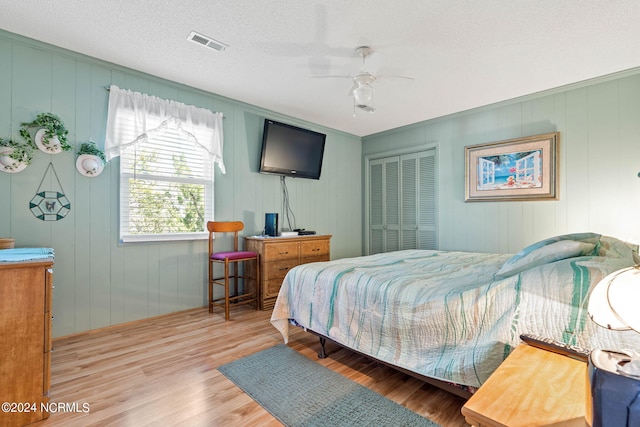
{"x": 235, "y": 278}
{"x": 256, "y": 283}
{"x": 210, "y": 287}
{"x": 226, "y": 290}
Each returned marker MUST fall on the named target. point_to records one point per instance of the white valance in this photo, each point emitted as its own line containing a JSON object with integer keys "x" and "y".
{"x": 134, "y": 116}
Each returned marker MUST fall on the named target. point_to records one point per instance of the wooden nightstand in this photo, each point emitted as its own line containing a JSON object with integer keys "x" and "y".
{"x": 532, "y": 387}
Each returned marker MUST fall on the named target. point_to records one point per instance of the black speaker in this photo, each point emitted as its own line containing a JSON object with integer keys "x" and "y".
{"x": 271, "y": 224}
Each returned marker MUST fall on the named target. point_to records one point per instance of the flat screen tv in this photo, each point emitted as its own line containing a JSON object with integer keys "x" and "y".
{"x": 291, "y": 151}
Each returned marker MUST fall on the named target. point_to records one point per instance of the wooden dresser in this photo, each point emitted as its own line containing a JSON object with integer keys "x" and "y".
{"x": 278, "y": 255}
{"x": 25, "y": 344}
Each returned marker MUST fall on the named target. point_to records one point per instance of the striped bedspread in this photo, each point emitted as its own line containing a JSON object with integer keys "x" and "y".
{"x": 442, "y": 314}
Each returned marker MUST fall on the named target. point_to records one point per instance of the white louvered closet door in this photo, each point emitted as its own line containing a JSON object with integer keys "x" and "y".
{"x": 402, "y": 202}
{"x": 384, "y": 223}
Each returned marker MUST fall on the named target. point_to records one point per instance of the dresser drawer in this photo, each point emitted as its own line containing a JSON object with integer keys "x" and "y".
{"x": 271, "y": 289}
{"x": 320, "y": 258}
{"x": 278, "y": 269}
{"x": 282, "y": 251}
{"x": 314, "y": 248}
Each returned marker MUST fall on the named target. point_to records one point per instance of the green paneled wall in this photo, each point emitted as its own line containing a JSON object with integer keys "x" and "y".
{"x": 99, "y": 282}
{"x": 599, "y": 125}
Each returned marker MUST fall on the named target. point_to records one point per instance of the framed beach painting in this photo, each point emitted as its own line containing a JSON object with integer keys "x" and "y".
{"x": 514, "y": 170}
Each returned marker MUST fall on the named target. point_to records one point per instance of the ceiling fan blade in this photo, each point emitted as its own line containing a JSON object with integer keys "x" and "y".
{"x": 330, "y": 76}
{"x": 394, "y": 76}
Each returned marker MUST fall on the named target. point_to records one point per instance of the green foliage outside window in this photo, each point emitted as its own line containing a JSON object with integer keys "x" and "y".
{"x": 161, "y": 206}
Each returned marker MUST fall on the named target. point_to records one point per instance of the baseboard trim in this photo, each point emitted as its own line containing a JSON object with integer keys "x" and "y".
{"x": 124, "y": 324}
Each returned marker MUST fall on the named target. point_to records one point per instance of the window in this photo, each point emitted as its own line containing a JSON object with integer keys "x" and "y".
{"x": 166, "y": 189}
{"x": 166, "y": 166}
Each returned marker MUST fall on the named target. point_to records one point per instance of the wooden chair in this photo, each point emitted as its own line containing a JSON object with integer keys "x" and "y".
{"x": 232, "y": 258}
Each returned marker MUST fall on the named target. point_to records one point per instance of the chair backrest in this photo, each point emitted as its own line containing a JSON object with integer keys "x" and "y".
{"x": 224, "y": 227}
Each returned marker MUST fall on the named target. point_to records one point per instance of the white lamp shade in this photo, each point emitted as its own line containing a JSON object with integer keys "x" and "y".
{"x": 613, "y": 302}
{"x": 624, "y": 298}
{"x": 363, "y": 96}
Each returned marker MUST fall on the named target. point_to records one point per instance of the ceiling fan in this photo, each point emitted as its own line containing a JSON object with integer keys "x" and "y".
{"x": 362, "y": 89}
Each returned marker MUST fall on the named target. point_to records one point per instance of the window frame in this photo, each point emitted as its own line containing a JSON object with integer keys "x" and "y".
{"x": 124, "y": 195}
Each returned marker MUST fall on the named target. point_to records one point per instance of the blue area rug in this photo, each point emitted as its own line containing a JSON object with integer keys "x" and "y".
{"x": 299, "y": 392}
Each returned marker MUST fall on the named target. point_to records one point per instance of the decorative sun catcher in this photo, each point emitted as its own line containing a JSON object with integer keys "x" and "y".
{"x": 50, "y": 205}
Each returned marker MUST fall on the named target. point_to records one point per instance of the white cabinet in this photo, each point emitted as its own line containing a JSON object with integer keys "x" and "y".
{"x": 401, "y": 208}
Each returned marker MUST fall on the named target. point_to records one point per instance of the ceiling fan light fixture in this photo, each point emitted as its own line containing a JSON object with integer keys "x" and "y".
{"x": 362, "y": 88}
{"x": 363, "y": 97}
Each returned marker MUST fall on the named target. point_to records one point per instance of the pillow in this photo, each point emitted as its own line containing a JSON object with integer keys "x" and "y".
{"x": 615, "y": 248}
{"x": 546, "y": 254}
{"x": 578, "y": 237}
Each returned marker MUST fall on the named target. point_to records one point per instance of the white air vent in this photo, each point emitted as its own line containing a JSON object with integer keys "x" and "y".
{"x": 207, "y": 41}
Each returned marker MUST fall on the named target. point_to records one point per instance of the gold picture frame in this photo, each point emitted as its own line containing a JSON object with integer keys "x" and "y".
{"x": 521, "y": 169}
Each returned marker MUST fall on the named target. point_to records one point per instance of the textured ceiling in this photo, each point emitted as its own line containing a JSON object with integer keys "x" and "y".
{"x": 461, "y": 54}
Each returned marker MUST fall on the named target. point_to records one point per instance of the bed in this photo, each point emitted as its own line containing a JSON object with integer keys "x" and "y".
{"x": 453, "y": 317}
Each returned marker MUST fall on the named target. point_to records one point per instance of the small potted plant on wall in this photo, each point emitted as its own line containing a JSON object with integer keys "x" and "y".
{"x": 91, "y": 159}
{"x": 14, "y": 156}
{"x": 47, "y": 133}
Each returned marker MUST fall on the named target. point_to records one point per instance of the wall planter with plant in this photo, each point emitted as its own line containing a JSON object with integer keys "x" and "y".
{"x": 47, "y": 133}
{"x": 14, "y": 156}
{"x": 91, "y": 159}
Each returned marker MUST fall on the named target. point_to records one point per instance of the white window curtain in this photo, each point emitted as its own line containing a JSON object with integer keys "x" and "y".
{"x": 166, "y": 176}
{"x": 152, "y": 116}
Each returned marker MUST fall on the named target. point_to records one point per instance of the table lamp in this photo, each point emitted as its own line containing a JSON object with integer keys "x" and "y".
{"x": 613, "y": 377}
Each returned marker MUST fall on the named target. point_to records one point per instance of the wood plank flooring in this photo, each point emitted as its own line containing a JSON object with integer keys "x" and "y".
{"x": 162, "y": 371}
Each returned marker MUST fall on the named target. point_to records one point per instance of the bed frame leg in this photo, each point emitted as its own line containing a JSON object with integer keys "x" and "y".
{"x": 322, "y": 353}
